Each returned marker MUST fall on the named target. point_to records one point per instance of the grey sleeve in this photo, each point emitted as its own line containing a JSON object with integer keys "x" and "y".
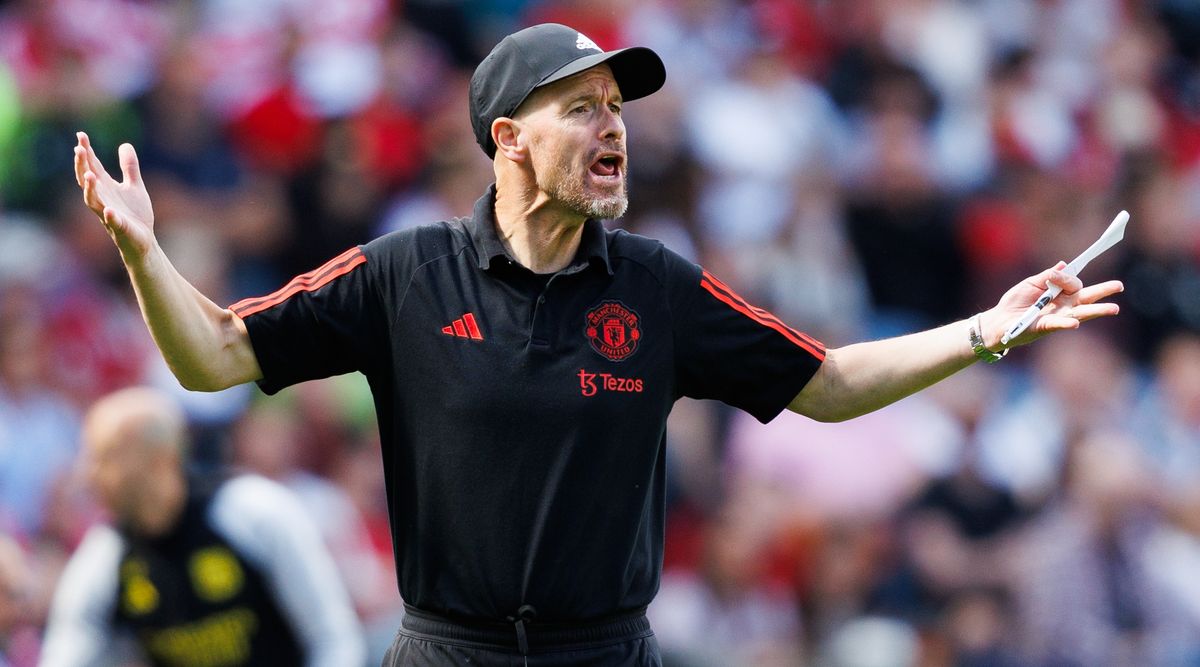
{"x": 80, "y": 632}
{"x": 267, "y": 524}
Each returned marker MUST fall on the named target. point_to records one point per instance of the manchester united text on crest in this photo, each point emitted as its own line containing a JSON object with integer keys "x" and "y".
{"x": 613, "y": 330}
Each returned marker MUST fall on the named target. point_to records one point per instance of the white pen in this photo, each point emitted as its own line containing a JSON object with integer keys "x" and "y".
{"x": 1110, "y": 237}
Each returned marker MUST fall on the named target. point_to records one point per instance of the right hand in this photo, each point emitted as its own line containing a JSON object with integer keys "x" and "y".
{"x": 1075, "y": 304}
{"x": 124, "y": 207}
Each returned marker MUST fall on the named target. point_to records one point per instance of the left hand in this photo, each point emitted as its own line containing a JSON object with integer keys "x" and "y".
{"x": 1074, "y": 305}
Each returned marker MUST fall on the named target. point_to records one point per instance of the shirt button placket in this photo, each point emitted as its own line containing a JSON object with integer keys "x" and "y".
{"x": 539, "y": 335}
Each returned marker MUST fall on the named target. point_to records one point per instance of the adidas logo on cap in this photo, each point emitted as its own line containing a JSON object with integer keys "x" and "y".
{"x": 583, "y": 42}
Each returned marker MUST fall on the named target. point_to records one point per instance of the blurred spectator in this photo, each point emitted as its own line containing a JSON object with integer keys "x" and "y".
{"x": 18, "y": 636}
{"x": 899, "y": 222}
{"x": 1089, "y": 591}
{"x": 73, "y": 59}
{"x": 1070, "y": 39}
{"x": 998, "y": 231}
{"x": 1161, "y": 270}
{"x": 751, "y": 182}
{"x": 327, "y": 49}
{"x": 837, "y": 565}
{"x": 1024, "y": 442}
{"x": 865, "y": 468}
{"x": 369, "y": 572}
{"x": 230, "y": 573}
{"x": 273, "y": 439}
{"x": 955, "y": 542}
{"x": 1032, "y": 124}
{"x": 1130, "y": 115}
{"x": 872, "y": 641}
{"x": 976, "y": 508}
{"x": 813, "y": 250}
{"x": 977, "y": 624}
{"x": 38, "y": 429}
{"x": 1167, "y": 422}
{"x": 704, "y": 40}
{"x": 183, "y": 138}
{"x": 729, "y": 611}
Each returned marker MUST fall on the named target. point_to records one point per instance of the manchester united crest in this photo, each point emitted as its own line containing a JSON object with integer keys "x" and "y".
{"x": 613, "y": 330}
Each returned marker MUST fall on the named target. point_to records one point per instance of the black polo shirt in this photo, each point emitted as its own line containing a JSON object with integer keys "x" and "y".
{"x": 523, "y": 416}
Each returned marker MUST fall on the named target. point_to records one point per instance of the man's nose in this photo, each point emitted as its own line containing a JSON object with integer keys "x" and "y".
{"x": 613, "y": 126}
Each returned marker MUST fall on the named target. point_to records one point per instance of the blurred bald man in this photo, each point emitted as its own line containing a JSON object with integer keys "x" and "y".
{"x": 219, "y": 575}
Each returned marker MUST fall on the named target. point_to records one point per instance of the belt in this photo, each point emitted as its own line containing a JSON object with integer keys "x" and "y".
{"x": 524, "y": 634}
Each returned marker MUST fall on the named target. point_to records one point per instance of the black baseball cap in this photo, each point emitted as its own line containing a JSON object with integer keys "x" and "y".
{"x": 545, "y": 53}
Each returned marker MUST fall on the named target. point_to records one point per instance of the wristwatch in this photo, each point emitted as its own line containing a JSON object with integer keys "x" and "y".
{"x": 977, "y": 345}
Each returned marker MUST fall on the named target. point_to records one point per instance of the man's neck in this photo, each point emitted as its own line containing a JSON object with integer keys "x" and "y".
{"x": 539, "y": 235}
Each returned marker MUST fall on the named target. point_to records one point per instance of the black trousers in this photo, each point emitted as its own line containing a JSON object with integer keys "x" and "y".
{"x": 427, "y": 640}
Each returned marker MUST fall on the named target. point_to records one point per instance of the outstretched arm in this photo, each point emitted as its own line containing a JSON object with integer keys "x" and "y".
{"x": 864, "y": 377}
{"x": 206, "y": 346}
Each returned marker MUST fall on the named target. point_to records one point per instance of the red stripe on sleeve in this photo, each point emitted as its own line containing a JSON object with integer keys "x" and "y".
{"x": 306, "y": 282}
{"x": 760, "y": 311}
{"x": 808, "y": 343}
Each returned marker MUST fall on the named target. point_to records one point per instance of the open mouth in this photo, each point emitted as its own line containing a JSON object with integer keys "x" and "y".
{"x": 608, "y": 165}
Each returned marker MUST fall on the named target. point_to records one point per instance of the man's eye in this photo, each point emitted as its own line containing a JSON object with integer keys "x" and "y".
{"x": 616, "y": 108}
{"x": 582, "y": 108}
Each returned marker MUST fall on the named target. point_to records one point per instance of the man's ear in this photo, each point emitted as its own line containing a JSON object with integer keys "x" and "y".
{"x": 506, "y": 134}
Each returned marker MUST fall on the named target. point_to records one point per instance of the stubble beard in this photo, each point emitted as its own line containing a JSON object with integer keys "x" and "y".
{"x": 564, "y": 187}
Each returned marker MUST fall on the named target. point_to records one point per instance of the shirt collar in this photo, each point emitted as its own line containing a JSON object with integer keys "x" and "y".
{"x": 482, "y": 230}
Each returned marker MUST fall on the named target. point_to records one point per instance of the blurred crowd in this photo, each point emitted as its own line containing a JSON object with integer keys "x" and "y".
{"x": 862, "y": 169}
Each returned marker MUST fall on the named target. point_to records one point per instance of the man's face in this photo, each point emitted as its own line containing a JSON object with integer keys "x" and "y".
{"x": 117, "y": 471}
{"x": 577, "y": 143}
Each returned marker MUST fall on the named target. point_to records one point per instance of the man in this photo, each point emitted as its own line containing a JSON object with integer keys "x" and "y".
{"x": 524, "y": 360}
{"x": 225, "y": 576}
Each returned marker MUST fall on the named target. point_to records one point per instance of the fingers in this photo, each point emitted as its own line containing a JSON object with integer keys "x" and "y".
{"x": 1094, "y": 293}
{"x": 1069, "y": 284}
{"x": 1070, "y": 318}
{"x": 90, "y": 161}
{"x": 80, "y": 158}
{"x": 1057, "y": 322}
{"x": 130, "y": 171}
{"x": 86, "y": 160}
{"x": 97, "y": 185}
{"x": 94, "y": 192}
{"x": 1088, "y": 303}
{"x": 1085, "y": 312}
{"x": 1084, "y": 308}
{"x": 80, "y": 165}
{"x": 90, "y": 197}
{"x": 84, "y": 148}
{"x": 1055, "y": 275}
{"x": 1085, "y": 304}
